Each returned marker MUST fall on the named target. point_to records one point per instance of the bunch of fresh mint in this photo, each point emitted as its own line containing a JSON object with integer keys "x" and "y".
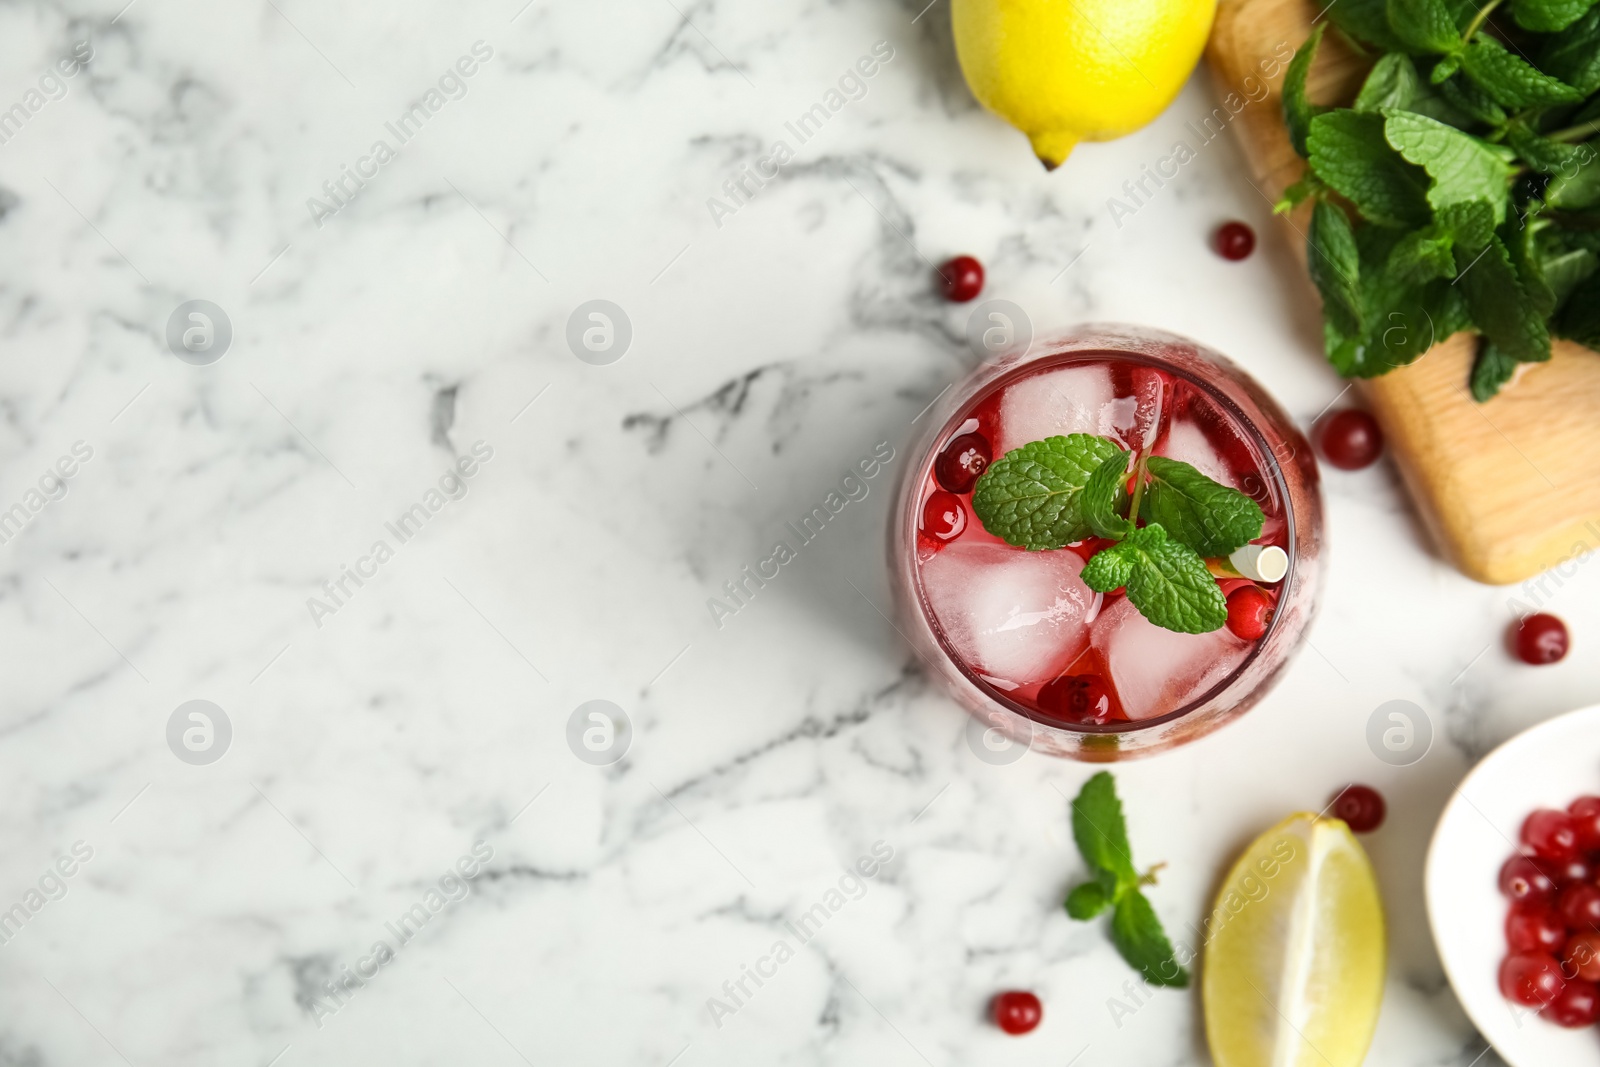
{"x": 1470, "y": 164}
{"x": 1063, "y": 490}
{"x": 1102, "y": 837}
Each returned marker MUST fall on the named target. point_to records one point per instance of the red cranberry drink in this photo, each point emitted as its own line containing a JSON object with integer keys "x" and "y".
{"x": 1110, "y": 544}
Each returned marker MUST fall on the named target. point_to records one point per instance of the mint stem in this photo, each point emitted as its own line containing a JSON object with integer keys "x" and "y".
{"x": 1575, "y": 133}
{"x": 1478, "y": 20}
{"x": 1149, "y": 877}
{"x": 1138, "y": 488}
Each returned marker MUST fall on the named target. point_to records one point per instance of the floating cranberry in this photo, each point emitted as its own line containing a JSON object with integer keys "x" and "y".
{"x": 1535, "y": 928}
{"x": 1524, "y": 879}
{"x": 1235, "y": 240}
{"x": 1349, "y": 439}
{"x": 1581, "y": 957}
{"x": 943, "y": 517}
{"x": 963, "y": 460}
{"x": 1017, "y": 1011}
{"x": 1541, "y": 639}
{"x": 1553, "y": 835}
{"x": 1361, "y": 807}
{"x": 1578, "y": 1004}
{"x": 961, "y": 279}
{"x": 1531, "y": 978}
{"x": 1585, "y": 812}
{"x": 1083, "y": 699}
{"x": 1249, "y": 612}
{"x": 1580, "y": 907}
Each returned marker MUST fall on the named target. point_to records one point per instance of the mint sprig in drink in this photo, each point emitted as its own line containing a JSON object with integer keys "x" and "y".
{"x": 1110, "y": 546}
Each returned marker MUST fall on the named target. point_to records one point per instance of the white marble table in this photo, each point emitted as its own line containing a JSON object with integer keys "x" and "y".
{"x": 376, "y": 740}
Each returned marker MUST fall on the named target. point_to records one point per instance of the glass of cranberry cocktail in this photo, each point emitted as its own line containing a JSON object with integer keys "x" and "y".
{"x": 1109, "y": 544}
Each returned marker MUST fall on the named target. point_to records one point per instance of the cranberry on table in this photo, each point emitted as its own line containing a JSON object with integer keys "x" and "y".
{"x": 1016, "y": 1011}
{"x": 1083, "y": 699}
{"x": 1361, "y": 807}
{"x": 1585, "y": 812}
{"x": 1524, "y": 879}
{"x": 1541, "y": 639}
{"x": 1535, "y": 928}
{"x": 1578, "y": 1004}
{"x": 1249, "y": 612}
{"x": 1580, "y": 907}
{"x": 1235, "y": 240}
{"x": 1581, "y": 957}
{"x": 1349, "y": 439}
{"x": 963, "y": 460}
{"x": 1553, "y": 835}
{"x": 961, "y": 278}
{"x": 943, "y": 517}
{"x": 1531, "y": 978}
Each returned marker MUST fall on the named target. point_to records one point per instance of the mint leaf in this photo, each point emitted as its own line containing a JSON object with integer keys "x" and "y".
{"x": 1166, "y": 580}
{"x": 1032, "y": 496}
{"x": 1348, "y": 151}
{"x": 1424, "y": 25}
{"x": 1334, "y": 265}
{"x": 1109, "y": 569}
{"x": 1087, "y": 901}
{"x": 1423, "y": 255}
{"x": 1500, "y": 307}
{"x": 1101, "y": 833}
{"x": 1548, "y": 16}
{"x": 1105, "y": 498}
{"x": 1565, "y": 271}
{"x": 1392, "y": 82}
{"x": 1511, "y": 80}
{"x": 1298, "y": 110}
{"x": 1462, "y": 167}
{"x": 1529, "y": 266}
{"x": 1470, "y": 223}
{"x": 1580, "y": 319}
{"x": 1490, "y": 370}
{"x": 1470, "y": 99}
{"x": 1138, "y": 935}
{"x": 1209, "y": 517}
{"x": 1577, "y": 189}
{"x": 1574, "y": 54}
{"x": 1542, "y": 154}
{"x": 1365, "y": 20}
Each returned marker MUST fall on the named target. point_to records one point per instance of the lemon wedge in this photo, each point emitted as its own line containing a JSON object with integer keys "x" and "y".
{"x": 1294, "y": 964}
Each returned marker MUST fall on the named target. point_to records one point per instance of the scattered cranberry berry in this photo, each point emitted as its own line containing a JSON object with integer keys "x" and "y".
{"x": 1535, "y": 928}
{"x": 1018, "y": 1011}
{"x": 1551, "y": 834}
{"x": 1524, "y": 879}
{"x": 943, "y": 517}
{"x": 961, "y": 463}
{"x": 1578, "y": 1004}
{"x": 1582, "y": 956}
{"x": 961, "y": 279}
{"x": 1531, "y": 978}
{"x": 1585, "y": 812}
{"x": 1541, "y": 639}
{"x": 1249, "y": 612}
{"x": 1361, "y": 807}
{"x": 1235, "y": 240}
{"x": 1349, "y": 439}
{"x": 1083, "y": 699}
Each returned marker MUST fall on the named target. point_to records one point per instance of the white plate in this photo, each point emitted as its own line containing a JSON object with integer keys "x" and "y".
{"x": 1546, "y": 767}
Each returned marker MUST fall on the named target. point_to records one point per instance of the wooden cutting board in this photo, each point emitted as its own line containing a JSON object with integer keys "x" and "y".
{"x": 1508, "y": 488}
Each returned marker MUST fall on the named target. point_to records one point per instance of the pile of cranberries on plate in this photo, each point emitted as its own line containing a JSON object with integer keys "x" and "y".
{"x": 1553, "y": 927}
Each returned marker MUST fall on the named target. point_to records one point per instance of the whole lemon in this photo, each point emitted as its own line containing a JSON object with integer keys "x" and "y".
{"x": 1064, "y": 71}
